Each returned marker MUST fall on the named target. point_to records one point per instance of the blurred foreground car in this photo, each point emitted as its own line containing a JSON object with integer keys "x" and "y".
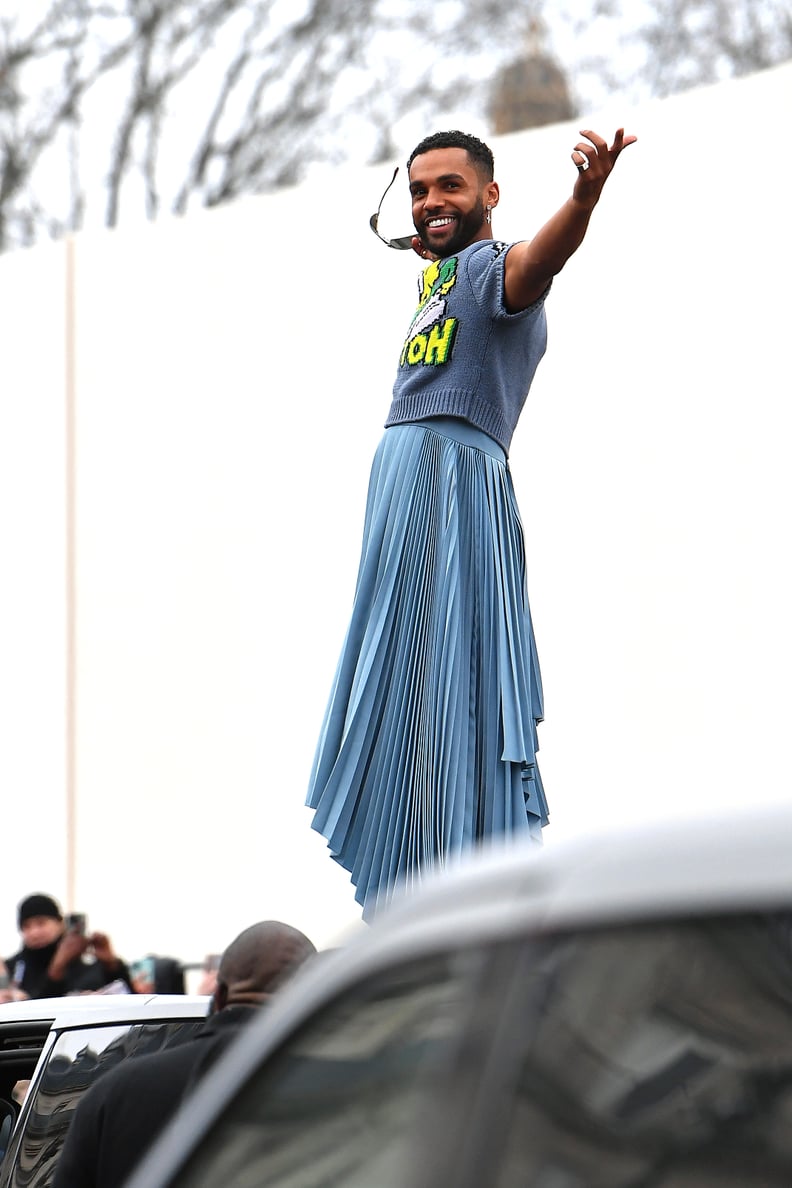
{"x": 612, "y": 1013}
{"x": 61, "y": 1045}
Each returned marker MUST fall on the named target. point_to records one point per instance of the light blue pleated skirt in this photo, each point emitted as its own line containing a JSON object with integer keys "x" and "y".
{"x": 429, "y": 740}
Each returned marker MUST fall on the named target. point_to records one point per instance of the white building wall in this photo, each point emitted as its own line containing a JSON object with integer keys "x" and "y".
{"x": 232, "y": 372}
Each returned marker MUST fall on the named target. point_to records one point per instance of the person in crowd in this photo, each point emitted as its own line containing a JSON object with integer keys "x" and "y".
{"x": 208, "y": 979}
{"x": 157, "y": 975}
{"x": 6, "y": 990}
{"x": 428, "y": 745}
{"x": 56, "y": 958}
{"x": 124, "y": 1110}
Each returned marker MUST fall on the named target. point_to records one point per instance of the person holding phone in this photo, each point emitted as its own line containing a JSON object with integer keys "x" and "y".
{"x": 59, "y": 956}
{"x": 157, "y": 975}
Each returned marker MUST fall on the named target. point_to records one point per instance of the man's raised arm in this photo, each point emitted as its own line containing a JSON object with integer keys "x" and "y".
{"x": 531, "y": 264}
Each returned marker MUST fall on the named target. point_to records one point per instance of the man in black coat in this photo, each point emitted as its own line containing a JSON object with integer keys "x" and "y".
{"x": 123, "y": 1111}
{"x": 52, "y": 961}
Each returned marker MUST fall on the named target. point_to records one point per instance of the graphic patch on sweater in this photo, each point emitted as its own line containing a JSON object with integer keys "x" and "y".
{"x": 430, "y": 338}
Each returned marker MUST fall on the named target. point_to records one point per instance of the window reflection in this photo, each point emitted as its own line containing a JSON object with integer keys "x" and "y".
{"x": 341, "y": 1104}
{"x": 646, "y": 1056}
{"x": 77, "y": 1059}
{"x": 663, "y": 1056}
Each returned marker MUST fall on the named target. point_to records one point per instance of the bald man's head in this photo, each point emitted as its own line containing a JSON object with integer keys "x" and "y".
{"x": 258, "y": 962}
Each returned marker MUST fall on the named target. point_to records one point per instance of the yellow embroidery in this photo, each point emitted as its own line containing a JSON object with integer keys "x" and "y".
{"x": 431, "y": 335}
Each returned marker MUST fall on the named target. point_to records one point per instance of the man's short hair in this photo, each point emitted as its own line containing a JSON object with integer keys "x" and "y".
{"x": 479, "y": 152}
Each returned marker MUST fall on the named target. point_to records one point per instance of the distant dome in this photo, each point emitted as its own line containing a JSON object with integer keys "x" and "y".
{"x": 528, "y": 93}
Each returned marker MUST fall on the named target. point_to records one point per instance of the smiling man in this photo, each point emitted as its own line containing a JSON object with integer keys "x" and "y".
{"x": 429, "y": 741}
{"x": 453, "y": 192}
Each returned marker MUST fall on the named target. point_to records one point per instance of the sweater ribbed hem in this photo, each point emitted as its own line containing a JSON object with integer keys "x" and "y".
{"x": 452, "y": 402}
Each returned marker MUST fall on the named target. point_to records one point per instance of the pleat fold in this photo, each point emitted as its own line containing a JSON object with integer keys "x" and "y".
{"x": 429, "y": 741}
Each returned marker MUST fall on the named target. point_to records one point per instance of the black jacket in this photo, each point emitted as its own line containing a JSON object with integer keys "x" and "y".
{"x": 28, "y": 970}
{"x": 123, "y": 1111}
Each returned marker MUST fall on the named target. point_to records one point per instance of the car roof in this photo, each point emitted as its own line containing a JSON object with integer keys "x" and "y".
{"x": 707, "y": 865}
{"x": 82, "y": 1010}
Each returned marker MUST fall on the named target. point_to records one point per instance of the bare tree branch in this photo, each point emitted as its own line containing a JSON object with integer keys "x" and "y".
{"x": 112, "y": 106}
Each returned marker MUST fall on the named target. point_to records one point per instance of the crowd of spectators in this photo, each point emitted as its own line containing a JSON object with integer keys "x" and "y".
{"x": 126, "y": 1107}
{"x": 59, "y": 956}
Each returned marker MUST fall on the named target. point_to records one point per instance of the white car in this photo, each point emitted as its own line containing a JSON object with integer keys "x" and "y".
{"x": 60, "y": 1046}
{"x": 613, "y": 1012}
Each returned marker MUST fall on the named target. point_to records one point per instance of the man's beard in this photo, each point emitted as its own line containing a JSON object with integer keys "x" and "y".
{"x": 467, "y": 228}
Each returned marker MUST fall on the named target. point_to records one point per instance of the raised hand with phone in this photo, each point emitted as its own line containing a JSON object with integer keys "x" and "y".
{"x": 58, "y": 955}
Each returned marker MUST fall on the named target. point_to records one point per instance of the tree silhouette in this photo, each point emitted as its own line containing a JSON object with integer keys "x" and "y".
{"x": 116, "y": 108}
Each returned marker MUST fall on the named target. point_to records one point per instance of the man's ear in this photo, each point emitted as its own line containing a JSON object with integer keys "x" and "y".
{"x": 420, "y": 250}
{"x": 493, "y": 194}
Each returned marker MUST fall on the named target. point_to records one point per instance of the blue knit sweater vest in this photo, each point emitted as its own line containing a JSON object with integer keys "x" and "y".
{"x": 464, "y": 354}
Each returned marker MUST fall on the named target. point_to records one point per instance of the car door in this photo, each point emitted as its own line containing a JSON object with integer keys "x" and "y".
{"x": 71, "y": 1061}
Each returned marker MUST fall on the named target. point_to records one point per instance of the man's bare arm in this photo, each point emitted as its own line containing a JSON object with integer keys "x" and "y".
{"x": 530, "y": 265}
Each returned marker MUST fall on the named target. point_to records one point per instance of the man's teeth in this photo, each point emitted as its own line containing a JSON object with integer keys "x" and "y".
{"x": 439, "y": 222}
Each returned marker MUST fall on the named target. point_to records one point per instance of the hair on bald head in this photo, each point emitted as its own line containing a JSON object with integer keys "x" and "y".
{"x": 264, "y": 956}
{"x": 479, "y": 152}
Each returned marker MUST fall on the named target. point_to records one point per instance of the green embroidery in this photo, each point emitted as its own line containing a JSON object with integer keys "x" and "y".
{"x": 430, "y": 338}
{"x": 438, "y": 279}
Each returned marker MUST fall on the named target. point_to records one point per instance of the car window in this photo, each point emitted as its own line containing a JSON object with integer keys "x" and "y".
{"x": 341, "y": 1102}
{"x": 662, "y": 1055}
{"x": 76, "y": 1060}
{"x": 655, "y": 1053}
{"x": 21, "y": 1043}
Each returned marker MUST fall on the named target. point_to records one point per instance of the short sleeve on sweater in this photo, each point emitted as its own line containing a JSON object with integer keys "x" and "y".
{"x": 485, "y": 272}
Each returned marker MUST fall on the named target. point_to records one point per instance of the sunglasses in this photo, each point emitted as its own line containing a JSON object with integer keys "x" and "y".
{"x": 405, "y": 241}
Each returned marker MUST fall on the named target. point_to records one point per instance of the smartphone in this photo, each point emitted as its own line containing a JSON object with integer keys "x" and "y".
{"x": 142, "y": 971}
{"x": 75, "y": 922}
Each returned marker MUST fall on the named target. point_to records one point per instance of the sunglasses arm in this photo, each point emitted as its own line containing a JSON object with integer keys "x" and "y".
{"x": 404, "y": 242}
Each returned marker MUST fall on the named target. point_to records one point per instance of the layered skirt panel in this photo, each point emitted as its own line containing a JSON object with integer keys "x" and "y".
{"x": 429, "y": 740}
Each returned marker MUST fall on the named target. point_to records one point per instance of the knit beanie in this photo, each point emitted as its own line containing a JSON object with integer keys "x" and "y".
{"x": 38, "y": 905}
